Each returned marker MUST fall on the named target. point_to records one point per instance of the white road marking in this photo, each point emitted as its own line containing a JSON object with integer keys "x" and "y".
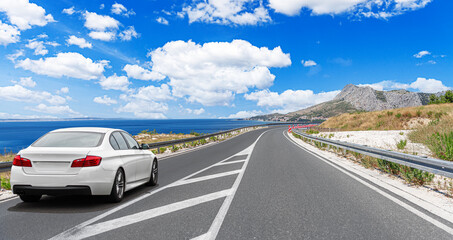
{"x": 72, "y": 231}
{"x": 230, "y": 162}
{"x": 217, "y": 223}
{"x": 397, "y": 201}
{"x": 204, "y": 178}
{"x": 124, "y": 205}
{"x": 106, "y": 226}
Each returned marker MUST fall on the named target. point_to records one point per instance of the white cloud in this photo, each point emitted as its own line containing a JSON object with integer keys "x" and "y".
{"x": 245, "y": 114}
{"x": 18, "y": 93}
{"x": 308, "y": 63}
{"x": 421, "y": 84}
{"x": 289, "y": 100}
{"x": 26, "y": 82}
{"x": 12, "y": 57}
{"x": 38, "y": 46}
{"x": 102, "y": 6}
{"x": 128, "y": 34}
{"x": 20, "y": 116}
{"x": 8, "y": 34}
{"x": 103, "y": 36}
{"x": 63, "y": 90}
{"x": 240, "y": 12}
{"x": 102, "y": 26}
{"x": 115, "y": 82}
{"x": 152, "y": 93}
{"x": 162, "y": 20}
{"x": 60, "y": 110}
{"x": 104, "y": 100}
{"x": 212, "y": 73}
{"x": 120, "y": 9}
{"x": 96, "y": 22}
{"x": 137, "y": 72}
{"x": 81, "y": 42}
{"x": 69, "y": 11}
{"x": 70, "y": 64}
{"x": 429, "y": 85}
{"x": 421, "y": 54}
{"x": 24, "y": 14}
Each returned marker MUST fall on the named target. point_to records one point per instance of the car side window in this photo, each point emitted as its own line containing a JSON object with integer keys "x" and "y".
{"x": 131, "y": 141}
{"x": 113, "y": 143}
{"x": 120, "y": 140}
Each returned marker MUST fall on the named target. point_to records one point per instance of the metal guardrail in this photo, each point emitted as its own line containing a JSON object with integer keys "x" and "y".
{"x": 6, "y": 166}
{"x": 436, "y": 166}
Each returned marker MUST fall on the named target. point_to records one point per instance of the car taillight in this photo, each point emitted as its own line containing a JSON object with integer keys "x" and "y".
{"x": 21, "y": 162}
{"x": 88, "y": 161}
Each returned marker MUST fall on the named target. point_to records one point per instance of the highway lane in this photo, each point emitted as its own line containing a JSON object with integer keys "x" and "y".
{"x": 256, "y": 186}
{"x": 52, "y": 216}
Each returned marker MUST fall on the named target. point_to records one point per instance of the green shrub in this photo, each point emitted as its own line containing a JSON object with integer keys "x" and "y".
{"x": 398, "y": 115}
{"x": 194, "y": 133}
{"x": 430, "y": 114}
{"x": 5, "y": 183}
{"x": 446, "y": 98}
{"x": 442, "y": 145}
{"x": 416, "y": 176}
{"x": 389, "y": 113}
{"x": 311, "y": 131}
{"x": 401, "y": 144}
{"x": 419, "y": 113}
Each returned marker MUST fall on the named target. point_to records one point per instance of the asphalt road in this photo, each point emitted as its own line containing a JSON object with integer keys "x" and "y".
{"x": 258, "y": 185}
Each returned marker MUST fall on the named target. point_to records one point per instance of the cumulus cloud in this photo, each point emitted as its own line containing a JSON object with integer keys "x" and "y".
{"x": 212, "y": 73}
{"x": 361, "y": 8}
{"x": 240, "y": 12}
{"x": 195, "y": 111}
{"x": 289, "y": 100}
{"x": 69, "y": 11}
{"x": 103, "y": 36}
{"x": 245, "y": 114}
{"x": 38, "y": 46}
{"x": 120, "y": 9}
{"x": 8, "y": 34}
{"x": 128, "y": 34}
{"x": 18, "y": 93}
{"x": 25, "y": 82}
{"x": 68, "y": 64}
{"x": 421, "y": 84}
{"x": 104, "y": 100}
{"x": 12, "y": 57}
{"x": 421, "y": 54}
{"x": 102, "y": 27}
{"x": 147, "y": 102}
{"x": 115, "y": 82}
{"x": 162, "y": 20}
{"x": 308, "y": 63}
{"x": 63, "y": 90}
{"x": 137, "y": 72}
{"x": 24, "y": 14}
{"x": 81, "y": 42}
{"x": 59, "y": 110}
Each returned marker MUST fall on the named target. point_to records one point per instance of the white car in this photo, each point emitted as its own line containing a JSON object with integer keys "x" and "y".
{"x": 83, "y": 161}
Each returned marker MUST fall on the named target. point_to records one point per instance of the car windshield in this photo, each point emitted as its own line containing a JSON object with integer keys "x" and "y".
{"x": 70, "y": 139}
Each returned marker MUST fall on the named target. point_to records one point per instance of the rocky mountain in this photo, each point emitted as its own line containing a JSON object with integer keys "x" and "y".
{"x": 351, "y": 99}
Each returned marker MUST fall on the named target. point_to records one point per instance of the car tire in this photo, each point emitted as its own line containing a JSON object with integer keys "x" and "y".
{"x": 118, "y": 188}
{"x": 30, "y": 198}
{"x": 154, "y": 174}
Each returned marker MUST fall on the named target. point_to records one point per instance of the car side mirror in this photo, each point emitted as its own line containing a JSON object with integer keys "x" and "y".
{"x": 144, "y": 146}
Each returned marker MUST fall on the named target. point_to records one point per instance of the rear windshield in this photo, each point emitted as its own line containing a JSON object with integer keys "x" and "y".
{"x": 70, "y": 139}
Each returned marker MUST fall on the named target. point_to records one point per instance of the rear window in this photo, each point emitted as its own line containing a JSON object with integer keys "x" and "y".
{"x": 70, "y": 139}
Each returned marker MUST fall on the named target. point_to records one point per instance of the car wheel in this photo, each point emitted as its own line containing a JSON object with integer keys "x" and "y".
{"x": 154, "y": 174}
{"x": 119, "y": 185}
{"x": 30, "y": 198}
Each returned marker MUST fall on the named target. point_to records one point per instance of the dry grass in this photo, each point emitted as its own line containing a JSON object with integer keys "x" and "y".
{"x": 395, "y": 119}
{"x": 7, "y": 157}
{"x": 152, "y": 138}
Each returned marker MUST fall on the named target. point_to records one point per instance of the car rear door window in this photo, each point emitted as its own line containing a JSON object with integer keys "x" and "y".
{"x": 131, "y": 141}
{"x": 113, "y": 143}
{"x": 120, "y": 140}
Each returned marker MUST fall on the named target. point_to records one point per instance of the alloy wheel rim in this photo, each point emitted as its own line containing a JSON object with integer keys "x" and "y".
{"x": 120, "y": 184}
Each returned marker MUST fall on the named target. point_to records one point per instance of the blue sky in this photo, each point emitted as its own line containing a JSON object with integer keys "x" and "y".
{"x": 213, "y": 59}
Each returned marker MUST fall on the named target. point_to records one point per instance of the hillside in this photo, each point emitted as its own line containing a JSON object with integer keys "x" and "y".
{"x": 395, "y": 119}
{"x": 354, "y": 99}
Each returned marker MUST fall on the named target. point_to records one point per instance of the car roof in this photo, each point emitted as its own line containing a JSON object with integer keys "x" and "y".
{"x": 86, "y": 129}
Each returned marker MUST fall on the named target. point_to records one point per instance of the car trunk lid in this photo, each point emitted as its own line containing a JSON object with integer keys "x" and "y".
{"x": 53, "y": 161}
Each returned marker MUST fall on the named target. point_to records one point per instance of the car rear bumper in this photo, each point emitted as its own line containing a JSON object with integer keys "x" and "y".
{"x": 53, "y": 191}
